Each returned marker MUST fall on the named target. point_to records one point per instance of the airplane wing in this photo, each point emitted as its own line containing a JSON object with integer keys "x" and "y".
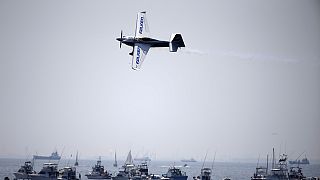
{"x": 141, "y": 25}
{"x": 139, "y": 53}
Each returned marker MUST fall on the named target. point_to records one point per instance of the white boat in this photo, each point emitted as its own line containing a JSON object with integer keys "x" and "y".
{"x": 49, "y": 171}
{"x": 127, "y": 170}
{"x": 25, "y": 171}
{"x": 98, "y": 172}
{"x": 145, "y": 158}
{"x": 188, "y": 160}
{"x": 175, "y": 173}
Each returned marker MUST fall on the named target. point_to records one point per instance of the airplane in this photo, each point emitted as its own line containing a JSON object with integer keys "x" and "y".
{"x": 141, "y": 43}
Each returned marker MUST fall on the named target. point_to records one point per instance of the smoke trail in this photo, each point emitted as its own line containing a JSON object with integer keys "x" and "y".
{"x": 193, "y": 51}
{"x": 258, "y": 57}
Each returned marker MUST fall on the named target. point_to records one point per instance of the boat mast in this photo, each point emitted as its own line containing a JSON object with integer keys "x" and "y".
{"x": 115, "y": 164}
{"x": 272, "y": 158}
{"x": 267, "y": 163}
{"x": 204, "y": 160}
{"x": 214, "y": 158}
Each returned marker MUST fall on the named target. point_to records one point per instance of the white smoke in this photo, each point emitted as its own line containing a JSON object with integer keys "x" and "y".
{"x": 193, "y": 51}
{"x": 258, "y": 57}
{"x": 249, "y": 56}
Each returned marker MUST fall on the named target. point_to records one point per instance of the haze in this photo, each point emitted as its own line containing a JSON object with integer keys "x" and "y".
{"x": 247, "y": 81}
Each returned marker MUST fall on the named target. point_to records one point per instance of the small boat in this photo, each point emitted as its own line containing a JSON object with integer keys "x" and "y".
{"x": 303, "y": 161}
{"x": 295, "y": 173}
{"x": 98, "y": 172}
{"x": 175, "y": 173}
{"x": 25, "y": 171}
{"x": 260, "y": 174}
{"x": 188, "y": 160}
{"x": 145, "y": 158}
{"x": 53, "y": 156}
{"x": 127, "y": 171}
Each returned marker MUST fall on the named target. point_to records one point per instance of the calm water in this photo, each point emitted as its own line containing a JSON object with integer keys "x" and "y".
{"x": 221, "y": 169}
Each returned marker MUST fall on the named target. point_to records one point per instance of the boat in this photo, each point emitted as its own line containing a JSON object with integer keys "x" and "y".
{"x": 278, "y": 171}
{"x": 127, "y": 171}
{"x": 49, "y": 171}
{"x": 141, "y": 172}
{"x": 98, "y": 172}
{"x": 295, "y": 173}
{"x": 67, "y": 173}
{"x": 260, "y": 174}
{"x": 145, "y": 158}
{"x": 188, "y": 160}
{"x": 205, "y": 174}
{"x": 303, "y": 161}
{"x": 76, "y": 163}
{"x": 175, "y": 173}
{"x": 25, "y": 171}
{"x": 54, "y": 156}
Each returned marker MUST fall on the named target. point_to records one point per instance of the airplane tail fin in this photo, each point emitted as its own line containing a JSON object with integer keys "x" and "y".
{"x": 176, "y": 41}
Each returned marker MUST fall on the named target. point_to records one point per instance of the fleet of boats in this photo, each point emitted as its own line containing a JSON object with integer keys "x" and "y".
{"x": 279, "y": 170}
{"x": 130, "y": 171}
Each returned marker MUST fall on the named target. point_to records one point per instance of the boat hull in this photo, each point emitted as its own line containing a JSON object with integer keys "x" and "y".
{"x": 97, "y": 177}
{"x": 21, "y": 175}
{"x": 47, "y": 157}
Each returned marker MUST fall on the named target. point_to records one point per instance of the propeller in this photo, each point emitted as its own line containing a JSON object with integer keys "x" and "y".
{"x": 121, "y": 39}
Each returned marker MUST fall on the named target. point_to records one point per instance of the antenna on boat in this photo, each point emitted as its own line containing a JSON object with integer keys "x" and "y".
{"x": 61, "y": 155}
{"x": 214, "y": 158}
{"x": 272, "y": 158}
{"x": 69, "y": 160}
{"x": 204, "y": 160}
{"x": 267, "y": 163}
{"x": 258, "y": 161}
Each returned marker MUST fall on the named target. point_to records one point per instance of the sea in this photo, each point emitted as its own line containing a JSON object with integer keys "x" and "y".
{"x": 233, "y": 170}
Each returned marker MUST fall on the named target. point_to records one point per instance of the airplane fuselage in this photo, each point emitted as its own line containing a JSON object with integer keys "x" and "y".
{"x": 131, "y": 41}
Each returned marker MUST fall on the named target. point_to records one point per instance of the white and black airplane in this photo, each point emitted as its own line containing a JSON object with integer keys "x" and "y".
{"x": 141, "y": 43}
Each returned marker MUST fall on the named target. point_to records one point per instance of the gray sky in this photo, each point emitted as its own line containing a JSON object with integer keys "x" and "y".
{"x": 248, "y": 80}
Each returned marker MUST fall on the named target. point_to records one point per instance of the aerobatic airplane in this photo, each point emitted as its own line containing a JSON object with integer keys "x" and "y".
{"x": 141, "y": 43}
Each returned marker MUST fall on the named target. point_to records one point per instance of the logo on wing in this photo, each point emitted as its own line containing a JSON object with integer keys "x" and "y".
{"x": 138, "y": 56}
{"x": 141, "y": 25}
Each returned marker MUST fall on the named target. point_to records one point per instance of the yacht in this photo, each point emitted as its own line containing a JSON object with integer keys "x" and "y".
{"x": 67, "y": 173}
{"x": 175, "y": 173}
{"x": 25, "y": 171}
{"x": 205, "y": 174}
{"x": 98, "y": 172}
{"x": 49, "y": 171}
{"x": 127, "y": 171}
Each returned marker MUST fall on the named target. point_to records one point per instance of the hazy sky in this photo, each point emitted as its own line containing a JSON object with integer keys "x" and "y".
{"x": 248, "y": 80}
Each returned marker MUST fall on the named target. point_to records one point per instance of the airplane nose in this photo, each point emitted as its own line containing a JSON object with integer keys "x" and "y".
{"x": 119, "y": 39}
